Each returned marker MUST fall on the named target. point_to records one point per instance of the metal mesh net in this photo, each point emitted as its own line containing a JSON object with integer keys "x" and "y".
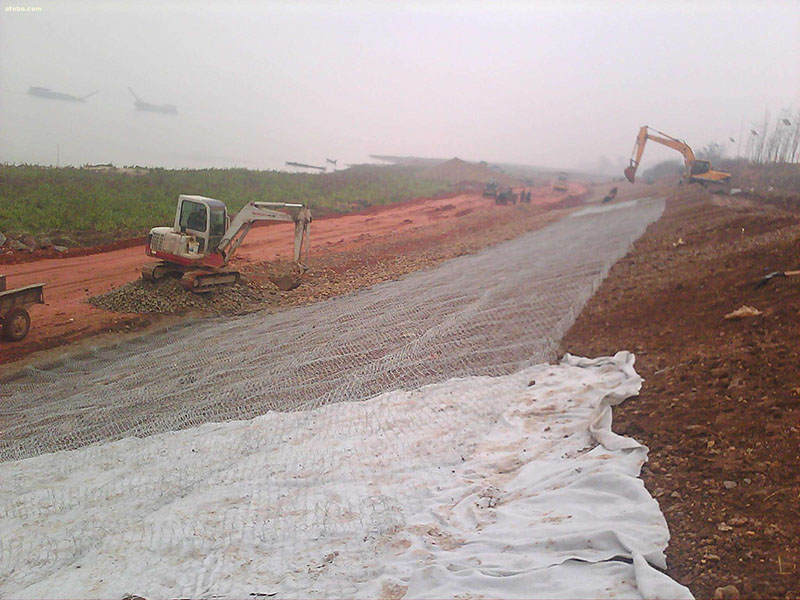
{"x": 315, "y": 485}
{"x": 492, "y": 313}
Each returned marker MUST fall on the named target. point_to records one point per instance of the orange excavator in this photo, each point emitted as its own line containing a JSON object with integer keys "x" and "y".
{"x": 696, "y": 171}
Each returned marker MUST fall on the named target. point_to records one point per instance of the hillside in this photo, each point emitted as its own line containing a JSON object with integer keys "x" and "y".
{"x": 455, "y": 171}
{"x": 95, "y": 205}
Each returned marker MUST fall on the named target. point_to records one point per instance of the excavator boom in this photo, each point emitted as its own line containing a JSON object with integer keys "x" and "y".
{"x": 263, "y": 211}
{"x": 661, "y": 138}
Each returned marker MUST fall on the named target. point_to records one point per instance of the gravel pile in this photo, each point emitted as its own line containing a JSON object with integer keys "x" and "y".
{"x": 167, "y": 296}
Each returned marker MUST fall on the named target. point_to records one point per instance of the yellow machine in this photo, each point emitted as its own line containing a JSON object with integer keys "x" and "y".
{"x": 697, "y": 171}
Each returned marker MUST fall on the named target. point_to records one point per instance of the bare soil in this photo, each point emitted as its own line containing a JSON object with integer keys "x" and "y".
{"x": 720, "y": 406}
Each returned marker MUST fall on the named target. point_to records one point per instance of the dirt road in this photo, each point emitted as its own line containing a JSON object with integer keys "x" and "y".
{"x": 71, "y": 280}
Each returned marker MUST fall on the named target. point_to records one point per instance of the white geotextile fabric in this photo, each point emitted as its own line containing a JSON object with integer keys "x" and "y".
{"x": 481, "y": 486}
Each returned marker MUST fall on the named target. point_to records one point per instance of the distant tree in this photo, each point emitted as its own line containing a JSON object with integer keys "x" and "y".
{"x": 775, "y": 142}
{"x": 667, "y": 168}
{"x": 712, "y": 151}
{"x": 793, "y": 146}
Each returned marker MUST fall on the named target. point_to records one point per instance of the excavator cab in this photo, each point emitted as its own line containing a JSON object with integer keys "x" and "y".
{"x": 699, "y": 167}
{"x": 204, "y": 218}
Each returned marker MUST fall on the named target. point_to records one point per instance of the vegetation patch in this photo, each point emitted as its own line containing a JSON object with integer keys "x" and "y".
{"x": 128, "y": 202}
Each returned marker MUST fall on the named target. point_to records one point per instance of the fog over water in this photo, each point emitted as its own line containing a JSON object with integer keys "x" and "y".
{"x": 260, "y": 83}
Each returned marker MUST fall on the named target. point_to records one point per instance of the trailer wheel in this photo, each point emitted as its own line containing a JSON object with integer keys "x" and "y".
{"x": 16, "y": 324}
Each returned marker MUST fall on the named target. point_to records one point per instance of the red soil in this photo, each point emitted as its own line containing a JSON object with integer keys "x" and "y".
{"x": 71, "y": 279}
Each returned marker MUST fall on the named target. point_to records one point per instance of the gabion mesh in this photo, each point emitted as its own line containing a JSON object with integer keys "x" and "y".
{"x": 298, "y": 485}
{"x": 492, "y": 313}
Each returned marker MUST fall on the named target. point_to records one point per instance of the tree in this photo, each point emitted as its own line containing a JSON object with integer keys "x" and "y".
{"x": 665, "y": 169}
{"x": 712, "y": 152}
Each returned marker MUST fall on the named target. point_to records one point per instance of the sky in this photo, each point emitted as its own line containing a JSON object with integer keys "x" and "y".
{"x": 554, "y": 84}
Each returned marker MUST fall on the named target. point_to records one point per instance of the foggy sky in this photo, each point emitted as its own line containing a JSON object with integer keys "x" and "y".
{"x": 258, "y": 83}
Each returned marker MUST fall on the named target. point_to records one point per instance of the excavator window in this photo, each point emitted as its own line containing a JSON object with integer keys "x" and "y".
{"x": 217, "y": 229}
{"x": 700, "y": 166}
{"x": 217, "y": 222}
{"x": 193, "y": 216}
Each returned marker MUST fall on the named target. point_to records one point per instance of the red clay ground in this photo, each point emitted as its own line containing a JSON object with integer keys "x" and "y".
{"x": 433, "y": 228}
{"x": 720, "y": 406}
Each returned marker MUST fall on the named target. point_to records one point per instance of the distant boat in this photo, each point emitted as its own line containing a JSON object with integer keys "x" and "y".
{"x": 304, "y": 166}
{"x": 43, "y": 92}
{"x": 331, "y": 161}
{"x": 139, "y": 104}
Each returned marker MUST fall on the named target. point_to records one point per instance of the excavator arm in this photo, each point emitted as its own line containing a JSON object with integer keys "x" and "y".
{"x": 264, "y": 211}
{"x": 663, "y": 139}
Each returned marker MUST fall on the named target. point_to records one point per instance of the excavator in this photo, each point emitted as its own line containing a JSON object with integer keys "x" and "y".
{"x": 697, "y": 171}
{"x": 203, "y": 239}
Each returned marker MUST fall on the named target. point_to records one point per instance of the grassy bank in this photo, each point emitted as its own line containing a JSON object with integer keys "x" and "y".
{"x": 42, "y": 201}
{"x": 783, "y": 177}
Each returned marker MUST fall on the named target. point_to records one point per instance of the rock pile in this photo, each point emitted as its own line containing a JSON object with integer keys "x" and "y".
{"x": 167, "y": 296}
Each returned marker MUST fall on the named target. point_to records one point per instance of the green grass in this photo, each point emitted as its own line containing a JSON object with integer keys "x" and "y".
{"x": 40, "y": 200}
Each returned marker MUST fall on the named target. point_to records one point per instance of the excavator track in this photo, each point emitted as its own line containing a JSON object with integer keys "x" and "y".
{"x": 155, "y": 271}
{"x": 200, "y": 282}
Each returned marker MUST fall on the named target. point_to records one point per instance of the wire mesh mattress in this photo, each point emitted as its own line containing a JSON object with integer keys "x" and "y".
{"x": 492, "y": 313}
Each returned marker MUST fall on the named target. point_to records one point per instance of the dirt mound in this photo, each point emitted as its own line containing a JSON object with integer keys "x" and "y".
{"x": 12, "y": 257}
{"x": 460, "y": 171}
{"x": 719, "y": 409}
{"x": 168, "y": 296}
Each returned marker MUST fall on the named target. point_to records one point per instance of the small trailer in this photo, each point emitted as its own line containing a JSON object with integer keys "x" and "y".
{"x": 14, "y": 304}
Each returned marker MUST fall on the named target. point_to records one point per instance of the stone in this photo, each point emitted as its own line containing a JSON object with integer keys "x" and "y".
{"x": 17, "y": 245}
{"x": 729, "y": 592}
{"x": 63, "y": 240}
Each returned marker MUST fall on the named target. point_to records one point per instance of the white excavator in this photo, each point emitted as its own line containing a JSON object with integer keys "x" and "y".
{"x": 203, "y": 239}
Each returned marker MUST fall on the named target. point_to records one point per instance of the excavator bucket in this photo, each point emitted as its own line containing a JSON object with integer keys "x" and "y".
{"x": 630, "y": 172}
{"x": 287, "y": 279}
{"x": 302, "y": 227}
